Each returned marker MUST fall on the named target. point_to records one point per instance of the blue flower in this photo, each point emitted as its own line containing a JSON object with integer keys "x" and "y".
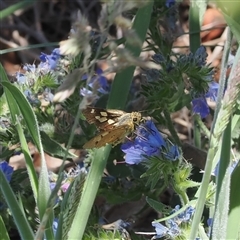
{"x": 173, "y": 230}
{"x": 200, "y": 56}
{"x": 85, "y": 92}
{"x": 212, "y": 91}
{"x": 104, "y": 86}
{"x": 48, "y": 96}
{"x": 31, "y": 98}
{"x": 149, "y": 134}
{"x": 30, "y": 68}
{"x": 173, "y": 153}
{"x": 52, "y": 185}
{"x": 200, "y": 107}
{"x": 21, "y": 78}
{"x": 97, "y": 80}
{"x": 172, "y": 225}
{"x": 55, "y": 225}
{"x": 169, "y": 3}
{"x": 230, "y": 169}
{"x": 135, "y": 152}
{"x": 49, "y": 62}
{"x": 7, "y": 170}
{"x": 209, "y": 223}
{"x": 183, "y": 217}
{"x": 149, "y": 142}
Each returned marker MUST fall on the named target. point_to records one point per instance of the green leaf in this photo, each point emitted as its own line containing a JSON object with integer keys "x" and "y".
{"x": 123, "y": 80}
{"x": 3, "y": 233}
{"x": 230, "y": 10}
{"x": 26, "y": 110}
{"x": 14, "y": 7}
{"x": 234, "y": 26}
{"x": 53, "y": 148}
{"x": 21, "y": 222}
{"x": 19, "y": 105}
{"x": 5, "y": 153}
{"x": 158, "y": 206}
{"x": 233, "y": 227}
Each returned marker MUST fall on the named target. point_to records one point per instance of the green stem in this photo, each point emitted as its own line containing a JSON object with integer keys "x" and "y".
{"x": 202, "y": 126}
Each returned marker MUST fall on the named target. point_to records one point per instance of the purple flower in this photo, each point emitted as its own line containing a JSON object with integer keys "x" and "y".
{"x": 149, "y": 142}
{"x": 7, "y": 170}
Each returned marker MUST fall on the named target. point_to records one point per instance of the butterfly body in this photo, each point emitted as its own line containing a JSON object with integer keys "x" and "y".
{"x": 113, "y": 125}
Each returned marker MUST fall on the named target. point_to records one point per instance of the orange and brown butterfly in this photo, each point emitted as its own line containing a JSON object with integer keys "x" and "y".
{"x": 113, "y": 125}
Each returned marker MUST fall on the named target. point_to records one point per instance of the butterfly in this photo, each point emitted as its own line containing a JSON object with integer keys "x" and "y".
{"x": 113, "y": 125}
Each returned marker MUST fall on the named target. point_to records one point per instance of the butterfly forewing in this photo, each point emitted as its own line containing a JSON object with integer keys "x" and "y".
{"x": 103, "y": 119}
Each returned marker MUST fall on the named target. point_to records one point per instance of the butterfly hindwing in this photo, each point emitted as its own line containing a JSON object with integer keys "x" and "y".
{"x": 113, "y": 137}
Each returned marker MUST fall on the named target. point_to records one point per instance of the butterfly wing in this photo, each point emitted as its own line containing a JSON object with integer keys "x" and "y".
{"x": 115, "y": 136}
{"x": 103, "y": 119}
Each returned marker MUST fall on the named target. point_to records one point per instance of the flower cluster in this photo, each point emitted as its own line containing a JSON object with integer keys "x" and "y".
{"x": 172, "y": 225}
{"x": 32, "y": 72}
{"x": 200, "y": 105}
{"x": 149, "y": 142}
{"x": 37, "y": 79}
